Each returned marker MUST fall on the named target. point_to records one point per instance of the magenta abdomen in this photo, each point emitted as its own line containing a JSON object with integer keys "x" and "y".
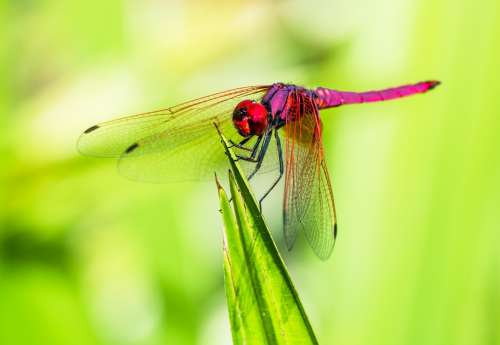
{"x": 328, "y": 98}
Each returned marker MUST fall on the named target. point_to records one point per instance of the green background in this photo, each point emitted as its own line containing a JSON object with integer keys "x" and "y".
{"x": 88, "y": 257}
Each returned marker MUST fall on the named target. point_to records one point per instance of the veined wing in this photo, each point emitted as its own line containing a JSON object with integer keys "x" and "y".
{"x": 173, "y": 144}
{"x": 308, "y": 203}
{"x": 193, "y": 153}
{"x": 113, "y": 138}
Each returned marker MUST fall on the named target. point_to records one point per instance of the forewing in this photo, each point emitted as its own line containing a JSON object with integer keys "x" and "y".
{"x": 308, "y": 200}
{"x": 177, "y": 143}
{"x": 113, "y": 138}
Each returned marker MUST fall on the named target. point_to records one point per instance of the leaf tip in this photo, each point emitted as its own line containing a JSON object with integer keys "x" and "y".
{"x": 217, "y": 182}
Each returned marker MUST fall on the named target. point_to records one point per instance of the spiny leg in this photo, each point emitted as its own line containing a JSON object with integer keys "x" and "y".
{"x": 262, "y": 153}
{"x": 254, "y": 150}
{"x": 251, "y": 158}
{"x": 256, "y": 146}
{"x": 241, "y": 144}
{"x": 282, "y": 169}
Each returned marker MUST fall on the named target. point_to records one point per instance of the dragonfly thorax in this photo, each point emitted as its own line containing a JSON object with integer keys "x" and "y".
{"x": 250, "y": 118}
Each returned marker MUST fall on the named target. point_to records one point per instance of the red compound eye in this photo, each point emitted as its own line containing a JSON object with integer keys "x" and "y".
{"x": 250, "y": 118}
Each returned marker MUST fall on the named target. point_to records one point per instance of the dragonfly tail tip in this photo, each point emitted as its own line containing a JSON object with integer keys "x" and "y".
{"x": 433, "y": 83}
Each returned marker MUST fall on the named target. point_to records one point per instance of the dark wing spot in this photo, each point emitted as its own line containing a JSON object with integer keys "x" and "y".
{"x": 131, "y": 148}
{"x": 335, "y": 231}
{"x": 91, "y": 129}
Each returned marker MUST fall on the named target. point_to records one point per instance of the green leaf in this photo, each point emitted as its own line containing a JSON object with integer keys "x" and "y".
{"x": 264, "y": 307}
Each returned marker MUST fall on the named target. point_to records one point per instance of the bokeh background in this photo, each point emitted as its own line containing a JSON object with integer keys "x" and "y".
{"x": 88, "y": 257}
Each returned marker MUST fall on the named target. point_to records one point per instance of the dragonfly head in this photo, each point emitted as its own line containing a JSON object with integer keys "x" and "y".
{"x": 250, "y": 118}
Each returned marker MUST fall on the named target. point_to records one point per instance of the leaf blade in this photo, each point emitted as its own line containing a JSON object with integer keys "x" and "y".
{"x": 264, "y": 307}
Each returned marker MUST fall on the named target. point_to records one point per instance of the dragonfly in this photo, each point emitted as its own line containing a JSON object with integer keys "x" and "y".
{"x": 273, "y": 127}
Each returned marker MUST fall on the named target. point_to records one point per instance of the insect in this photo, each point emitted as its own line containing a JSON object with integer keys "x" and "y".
{"x": 271, "y": 127}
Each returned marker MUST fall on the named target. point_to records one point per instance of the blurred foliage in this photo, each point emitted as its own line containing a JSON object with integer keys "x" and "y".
{"x": 87, "y": 257}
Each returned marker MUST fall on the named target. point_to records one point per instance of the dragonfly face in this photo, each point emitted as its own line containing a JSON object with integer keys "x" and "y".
{"x": 250, "y": 118}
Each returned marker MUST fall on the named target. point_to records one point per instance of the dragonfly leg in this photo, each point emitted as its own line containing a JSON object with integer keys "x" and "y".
{"x": 254, "y": 150}
{"x": 282, "y": 169}
{"x": 241, "y": 143}
{"x": 256, "y": 146}
{"x": 245, "y": 158}
{"x": 262, "y": 152}
{"x": 252, "y": 157}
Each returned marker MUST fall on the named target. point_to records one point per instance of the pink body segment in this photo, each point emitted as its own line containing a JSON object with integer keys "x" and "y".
{"x": 328, "y": 98}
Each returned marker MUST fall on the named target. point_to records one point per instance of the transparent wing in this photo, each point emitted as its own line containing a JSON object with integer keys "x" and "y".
{"x": 191, "y": 154}
{"x": 308, "y": 204}
{"x": 173, "y": 144}
{"x": 112, "y": 138}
